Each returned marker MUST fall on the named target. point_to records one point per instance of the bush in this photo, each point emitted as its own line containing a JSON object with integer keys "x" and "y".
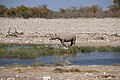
{"x": 104, "y": 49}
{"x": 42, "y": 11}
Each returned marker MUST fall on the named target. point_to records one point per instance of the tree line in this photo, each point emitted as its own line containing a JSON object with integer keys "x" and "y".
{"x": 23, "y": 11}
{"x": 43, "y": 11}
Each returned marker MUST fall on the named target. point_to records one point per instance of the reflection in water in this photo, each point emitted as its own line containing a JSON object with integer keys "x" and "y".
{"x": 116, "y": 55}
{"x": 93, "y": 58}
{"x": 64, "y": 57}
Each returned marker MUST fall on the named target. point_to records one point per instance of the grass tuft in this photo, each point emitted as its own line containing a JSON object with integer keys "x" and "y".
{"x": 60, "y": 70}
{"x": 28, "y": 51}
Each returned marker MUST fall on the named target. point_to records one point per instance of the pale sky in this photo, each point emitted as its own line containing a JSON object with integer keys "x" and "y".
{"x": 56, "y": 4}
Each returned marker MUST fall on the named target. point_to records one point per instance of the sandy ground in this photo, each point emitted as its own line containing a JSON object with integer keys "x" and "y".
{"x": 89, "y": 31}
{"x": 40, "y": 73}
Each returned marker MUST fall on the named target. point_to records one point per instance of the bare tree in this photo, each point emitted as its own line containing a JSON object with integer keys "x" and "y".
{"x": 15, "y": 33}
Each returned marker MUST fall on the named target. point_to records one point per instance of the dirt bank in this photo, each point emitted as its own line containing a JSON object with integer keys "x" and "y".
{"x": 61, "y": 73}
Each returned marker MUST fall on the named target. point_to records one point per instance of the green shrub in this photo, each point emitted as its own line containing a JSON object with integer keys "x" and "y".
{"x": 104, "y": 49}
{"x": 115, "y": 49}
{"x": 87, "y": 49}
{"x": 36, "y": 50}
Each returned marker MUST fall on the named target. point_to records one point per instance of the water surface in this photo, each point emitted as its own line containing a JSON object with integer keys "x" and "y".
{"x": 93, "y": 58}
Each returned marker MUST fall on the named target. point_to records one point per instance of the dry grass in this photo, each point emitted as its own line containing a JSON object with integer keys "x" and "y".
{"x": 60, "y": 70}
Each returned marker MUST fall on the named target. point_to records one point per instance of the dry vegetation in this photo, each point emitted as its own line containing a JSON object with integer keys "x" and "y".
{"x": 43, "y": 11}
{"x": 90, "y": 31}
{"x": 61, "y": 73}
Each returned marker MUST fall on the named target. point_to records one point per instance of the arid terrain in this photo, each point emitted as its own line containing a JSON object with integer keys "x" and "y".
{"x": 89, "y": 31}
{"x": 61, "y": 73}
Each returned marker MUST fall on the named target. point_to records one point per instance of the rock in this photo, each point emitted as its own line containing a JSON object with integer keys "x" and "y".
{"x": 105, "y": 73}
{"x": 37, "y": 78}
{"x": 17, "y": 75}
{"x": 47, "y": 78}
{"x": 10, "y": 78}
